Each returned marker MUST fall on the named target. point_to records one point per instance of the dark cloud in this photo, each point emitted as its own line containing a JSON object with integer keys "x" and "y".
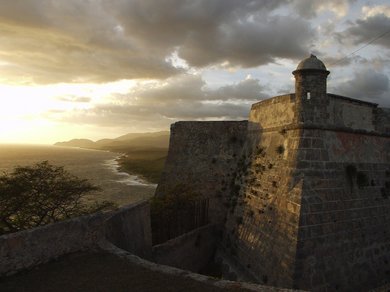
{"x": 342, "y": 61}
{"x": 368, "y": 85}
{"x": 249, "y": 42}
{"x": 71, "y": 41}
{"x": 242, "y": 33}
{"x": 98, "y": 41}
{"x": 365, "y": 30}
{"x": 180, "y": 88}
{"x": 249, "y": 89}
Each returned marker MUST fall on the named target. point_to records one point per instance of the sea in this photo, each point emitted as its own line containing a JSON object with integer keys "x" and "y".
{"x": 99, "y": 167}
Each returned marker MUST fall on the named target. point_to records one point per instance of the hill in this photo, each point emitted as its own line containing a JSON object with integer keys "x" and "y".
{"x": 82, "y": 143}
{"x": 123, "y": 143}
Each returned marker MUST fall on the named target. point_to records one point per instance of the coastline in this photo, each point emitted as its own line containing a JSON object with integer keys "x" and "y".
{"x": 146, "y": 164}
{"x": 129, "y": 178}
{"x": 140, "y": 166}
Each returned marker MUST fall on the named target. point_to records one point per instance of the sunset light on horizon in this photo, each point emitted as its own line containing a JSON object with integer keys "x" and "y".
{"x": 100, "y": 69}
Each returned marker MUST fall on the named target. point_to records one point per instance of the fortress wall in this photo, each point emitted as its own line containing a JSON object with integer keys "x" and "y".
{"x": 383, "y": 120}
{"x": 203, "y": 156}
{"x": 300, "y": 221}
{"x": 344, "y": 112}
{"x": 29, "y": 248}
{"x": 26, "y": 249}
{"x": 344, "y": 236}
{"x": 191, "y": 251}
{"x": 129, "y": 229}
{"x": 275, "y": 112}
{"x": 261, "y": 231}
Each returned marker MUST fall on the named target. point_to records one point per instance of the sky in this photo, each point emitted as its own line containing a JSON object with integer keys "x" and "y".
{"x": 103, "y": 68}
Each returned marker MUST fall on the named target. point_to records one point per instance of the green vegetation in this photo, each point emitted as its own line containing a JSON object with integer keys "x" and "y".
{"x": 36, "y": 195}
{"x": 362, "y": 179}
{"x": 176, "y": 212}
{"x": 280, "y": 149}
{"x": 351, "y": 171}
{"x": 148, "y": 163}
{"x": 178, "y": 198}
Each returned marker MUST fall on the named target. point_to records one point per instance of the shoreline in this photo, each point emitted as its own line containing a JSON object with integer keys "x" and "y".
{"x": 130, "y": 178}
{"x": 139, "y": 168}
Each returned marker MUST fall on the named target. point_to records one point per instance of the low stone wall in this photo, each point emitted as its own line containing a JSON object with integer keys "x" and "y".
{"x": 224, "y": 284}
{"x": 129, "y": 229}
{"x": 191, "y": 251}
{"x": 29, "y": 248}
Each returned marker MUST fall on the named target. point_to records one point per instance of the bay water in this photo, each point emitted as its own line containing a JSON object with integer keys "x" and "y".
{"x": 99, "y": 167}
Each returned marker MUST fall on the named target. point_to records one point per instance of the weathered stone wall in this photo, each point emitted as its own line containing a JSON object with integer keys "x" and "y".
{"x": 28, "y": 248}
{"x": 344, "y": 236}
{"x": 168, "y": 270}
{"x": 383, "y": 120}
{"x": 300, "y": 221}
{"x": 203, "y": 156}
{"x": 274, "y": 112}
{"x": 261, "y": 231}
{"x": 312, "y": 101}
{"x": 354, "y": 114}
{"x": 191, "y": 251}
{"x": 129, "y": 228}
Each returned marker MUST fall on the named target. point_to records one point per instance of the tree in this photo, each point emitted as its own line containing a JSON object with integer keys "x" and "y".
{"x": 36, "y": 195}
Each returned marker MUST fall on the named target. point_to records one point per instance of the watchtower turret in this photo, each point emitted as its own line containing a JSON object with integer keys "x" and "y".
{"x": 310, "y": 91}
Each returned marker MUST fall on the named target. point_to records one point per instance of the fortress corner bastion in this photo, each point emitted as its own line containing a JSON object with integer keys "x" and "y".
{"x": 300, "y": 192}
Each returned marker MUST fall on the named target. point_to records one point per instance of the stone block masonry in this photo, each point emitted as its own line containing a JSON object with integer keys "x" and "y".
{"x": 203, "y": 156}
{"x": 199, "y": 243}
{"x": 261, "y": 231}
{"x": 344, "y": 236}
{"x": 303, "y": 198}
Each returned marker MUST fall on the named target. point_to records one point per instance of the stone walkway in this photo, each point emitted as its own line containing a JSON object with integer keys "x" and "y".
{"x": 99, "y": 271}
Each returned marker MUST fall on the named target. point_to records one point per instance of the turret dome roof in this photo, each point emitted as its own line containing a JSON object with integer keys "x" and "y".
{"x": 311, "y": 63}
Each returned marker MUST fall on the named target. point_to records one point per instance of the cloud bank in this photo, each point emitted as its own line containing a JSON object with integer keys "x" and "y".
{"x": 99, "y": 41}
{"x": 165, "y": 46}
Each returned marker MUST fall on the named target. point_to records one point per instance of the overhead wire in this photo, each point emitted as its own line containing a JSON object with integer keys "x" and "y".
{"x": 366, "y": 45}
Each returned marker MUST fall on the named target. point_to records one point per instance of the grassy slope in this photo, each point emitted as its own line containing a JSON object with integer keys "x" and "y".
{"x": 148, "y": 163}
{"x": 145, "y": 156}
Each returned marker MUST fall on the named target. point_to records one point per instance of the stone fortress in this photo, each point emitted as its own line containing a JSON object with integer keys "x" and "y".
{"x": 300, "y": 192}
{"x": 298, "y": 197}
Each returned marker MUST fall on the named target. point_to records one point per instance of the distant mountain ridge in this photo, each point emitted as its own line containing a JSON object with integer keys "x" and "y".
{"x": 83, "y": 143}
{"x": 148, "y": 140}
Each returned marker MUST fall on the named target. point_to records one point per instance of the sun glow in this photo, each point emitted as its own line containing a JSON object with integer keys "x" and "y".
{"x": 26, "y": 112}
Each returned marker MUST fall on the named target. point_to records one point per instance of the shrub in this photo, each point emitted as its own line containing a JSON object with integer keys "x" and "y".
{"x": 179, "y": 197}
{"x": 36, "y": 195}
{"x": 280, "y": 149}
{"x": 362, "y": 179}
